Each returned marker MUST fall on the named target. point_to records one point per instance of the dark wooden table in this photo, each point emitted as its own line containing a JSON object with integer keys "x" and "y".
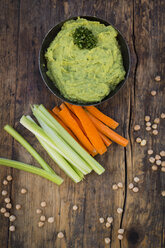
{"x": 23, "y": 25}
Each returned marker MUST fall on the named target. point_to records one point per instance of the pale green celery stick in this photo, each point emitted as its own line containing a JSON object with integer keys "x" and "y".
{"x": 30, "y": 168}
{"x": 36, "y": 130}
{"x": 28, "y": 147}
{"x": 81, "y": 175}
{"x": 61, "y": 144}
{"x": 62, "y": 163}
{"x": 48, "y": 118}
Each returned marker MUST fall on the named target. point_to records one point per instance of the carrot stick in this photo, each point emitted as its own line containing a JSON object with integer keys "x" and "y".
{"x": 90, "y": 129}
{"x": 107, "y": 131}
{"x": 104, "y": 138}
{"x": 69, "y": 106}
{"x": 67, "y": 118}
{"x": 56, "y": 110}
{"x": 62, "y": 124}
{"x": 106, "y": 141}
{"x": 102, "y": 117}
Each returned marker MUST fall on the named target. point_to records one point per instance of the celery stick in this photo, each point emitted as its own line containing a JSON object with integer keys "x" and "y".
{"x": 28, "y": 147}
{"x": 30, "y": 168}
{"x": 36, "y": 130}
{"x": 48, "y": 118}
{"x": 61, "y": 144}
{"x": 62, "y": 163}
{"x": 81, "y": 175}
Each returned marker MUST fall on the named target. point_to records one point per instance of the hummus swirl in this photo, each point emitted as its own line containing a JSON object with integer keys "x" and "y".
{"x": 85, "y": 75}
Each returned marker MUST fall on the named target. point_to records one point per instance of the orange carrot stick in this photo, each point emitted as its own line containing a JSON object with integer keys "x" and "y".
{"x": 102, "y": 117}
{"x": 56, "y": 110}
{"x": 104, "y": 138}
{"x": 107, "y": 131}
{"x": 62, "y": 124}
{"x": 69, "y": 106}
{"x": 90, "y": 129}
{"x": 106, "y": 141}
{"x": 67, "y": 118}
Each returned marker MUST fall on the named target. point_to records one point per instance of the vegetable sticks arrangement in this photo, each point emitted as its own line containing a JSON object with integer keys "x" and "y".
{"x": 69, "y": 134}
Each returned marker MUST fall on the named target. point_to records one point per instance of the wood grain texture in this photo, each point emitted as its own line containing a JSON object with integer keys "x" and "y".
{"x": 23, "y": 26}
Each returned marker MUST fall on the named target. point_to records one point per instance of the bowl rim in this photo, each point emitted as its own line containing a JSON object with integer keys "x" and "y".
{"x": 107, "y": 97}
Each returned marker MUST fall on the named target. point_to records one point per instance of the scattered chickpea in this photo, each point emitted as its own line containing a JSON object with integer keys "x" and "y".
{"x": 158, "y": 162}
{"x": 157, "y": 120}
{"x": 163, "y": 163}
{"x": 4, "y": 192}
{"x": 75, "y": 207}
{"x": 119, "y": 210}
{"x": 8, "y": 205}
{"x": 110, "y": 219}
{"x": 23, "y": 191}
{"x": 121, "y": 231}
{"x": 153, "y": 92}
{"x": 18, "y": 206}
{"x": 38, "y": 211}
{"x": 12, "y": 218}
{"x": 42, "y": 218}
{"x": 162, "y": 115}
{"x": 163, "y": 193}
{"x": 136, "y": 179}
{"x": 152, "y": 160}
{"x": 43, "y": 204}
{"x": 120, "y": 185}
{"x": 101, "y": 219}
{"x": 157, "y": 157}
{"x": 163, "y": 169}
{"x": 7, "y": 214}
{"x": 162, "y": 153}
{"x": 148, "y": 129}
{"x": 150, "y": 152}
{"x": 154, "y": 126}
{"x": 114, "y": 187}
{"x": 5, "y": 182}
{"x": 137, "y": 127}
{"x": 3, "y": 210}
{"x": 157, "y": 78}
{"x": 135, "y": 189}
{"x": 60, "y": 235}
{"x": 9, "y": 178}
{"x": 143, "y": 142}
{"x": 107, "y": 240}
{"x": 7, "y": 200}
{"x": 51, "y": 219}
{"x": 154, "y": 167}
{"x": 107, "y": 224}
{"x": 138, "y": 140}
{"x": 148, "y": 124}
{"x": 130, "y": 186}
{"x": 155, "y": 132}
{"x": 40, "y": 224}
{"x": 120, "y": 237}
{"x": 147, "y": 118}
{"x": 12, "y": 228}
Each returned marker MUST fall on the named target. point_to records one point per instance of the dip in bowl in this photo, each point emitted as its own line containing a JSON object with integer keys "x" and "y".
{"x": 88, "y": 68}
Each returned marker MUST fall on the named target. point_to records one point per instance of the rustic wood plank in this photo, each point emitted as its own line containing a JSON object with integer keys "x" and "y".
{"x": 144, "y": 218}
{"x": 8, "y": 65}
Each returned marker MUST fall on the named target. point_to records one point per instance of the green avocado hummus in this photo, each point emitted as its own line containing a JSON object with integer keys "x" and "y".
{"x": 85, "y": 75}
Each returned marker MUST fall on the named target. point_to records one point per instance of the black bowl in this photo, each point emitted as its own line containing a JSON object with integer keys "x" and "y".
{"x": 50, "y": 37}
